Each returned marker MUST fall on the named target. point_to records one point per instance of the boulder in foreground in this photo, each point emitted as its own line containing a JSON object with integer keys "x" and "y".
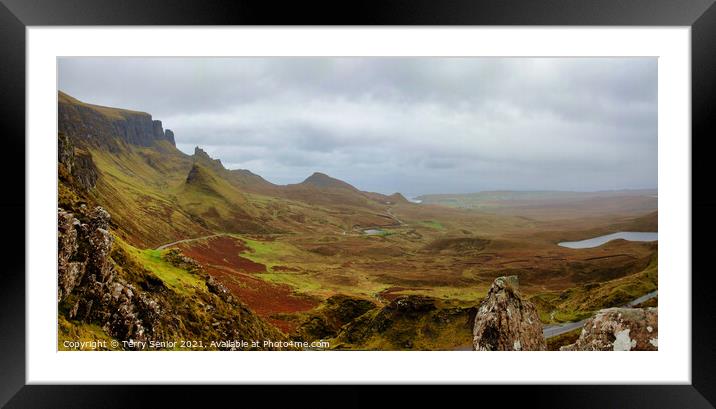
{"x": 619, "y": 329}
{"x": 506, "y": 321}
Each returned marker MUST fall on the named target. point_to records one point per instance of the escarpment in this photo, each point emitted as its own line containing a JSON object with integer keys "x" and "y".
{"x": 103, "y": 126}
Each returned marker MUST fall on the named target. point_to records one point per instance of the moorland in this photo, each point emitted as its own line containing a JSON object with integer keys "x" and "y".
{"x": 323, "y": 259}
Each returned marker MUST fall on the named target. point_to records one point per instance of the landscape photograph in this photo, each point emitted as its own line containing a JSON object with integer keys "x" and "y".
{"x": 357, "y": 204}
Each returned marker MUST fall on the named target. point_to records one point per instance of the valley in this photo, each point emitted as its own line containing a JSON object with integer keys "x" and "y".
{"x": 322, "y": 259}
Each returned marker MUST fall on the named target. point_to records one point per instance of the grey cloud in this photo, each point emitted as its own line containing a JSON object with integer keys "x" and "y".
{"x": 415, "y": 125}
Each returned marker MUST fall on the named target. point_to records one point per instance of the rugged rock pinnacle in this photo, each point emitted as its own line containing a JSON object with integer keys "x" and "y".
{"x": 506, "y": 321}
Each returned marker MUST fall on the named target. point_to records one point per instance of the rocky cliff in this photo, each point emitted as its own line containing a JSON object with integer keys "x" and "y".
{"x": 87, "y": 281}
{"x": 102, "y": 126}
{"x": 75, "y": 164}
{"x": 619, "y": 329}
{"x": 506, "y": 321}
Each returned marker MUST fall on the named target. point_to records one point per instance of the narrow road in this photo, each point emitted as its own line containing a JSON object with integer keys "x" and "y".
{"x": 398, "y": 223}
{"x": 163, "y": 246}
{"x": 550, "y": 331}
{"x": 394, "y": 217}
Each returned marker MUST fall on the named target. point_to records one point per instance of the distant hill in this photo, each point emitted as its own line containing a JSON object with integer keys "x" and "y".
{"x": 322, "y": 180}
{"x": 550, "y": 204}
{"x": 545, "y": 195}
{"x": 125, "y": 161}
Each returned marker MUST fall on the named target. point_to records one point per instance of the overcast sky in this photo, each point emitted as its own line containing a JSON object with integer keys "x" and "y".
{"x": 413, "y": 125}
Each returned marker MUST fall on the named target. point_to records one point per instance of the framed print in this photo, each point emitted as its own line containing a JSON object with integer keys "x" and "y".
{"x": 429, "y": 194}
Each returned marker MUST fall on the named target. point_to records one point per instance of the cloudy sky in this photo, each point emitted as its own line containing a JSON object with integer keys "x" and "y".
{"x": 414, "y": 125}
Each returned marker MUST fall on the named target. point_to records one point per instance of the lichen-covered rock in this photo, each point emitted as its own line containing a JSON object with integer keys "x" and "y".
{"x": 69, "y": 271}
{"x": 506, "y": 321}
{"x": 84, "y": 264}
{"x": 76, "y": 162}
{"x": 85, "y": 272}
{"x": 619, "y": 329}
{"x": 101, "y": 285}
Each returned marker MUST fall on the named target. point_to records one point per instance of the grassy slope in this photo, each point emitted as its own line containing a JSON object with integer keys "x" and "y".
{"x": 440, "y": 327}
{"x": 582, "y": 301}
{"x": 449, "y": 327}
{"x": 137, "y": 186}
{"x": 70, "y": 330}
{"x": 110, "y": 112}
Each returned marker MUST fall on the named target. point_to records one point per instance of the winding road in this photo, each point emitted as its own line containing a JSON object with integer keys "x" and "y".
{"x": 394, "y": 217}
{"x": 163, "y": 246}
{"x": 390, "y": 215}
{"x": 550, "y": 331}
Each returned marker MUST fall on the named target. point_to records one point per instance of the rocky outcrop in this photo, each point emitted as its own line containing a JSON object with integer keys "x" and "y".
{"x": 619, "y": 329}
{"x": 169, "y": 135}
{"x": 77, "y": 163}
{"x": 71, "y": 265}
{"x": 83, "y": 251}
{"x": 103, "y": 285}
{"x": 87, "y": 280}
{"x": 506, "y": 321}
{"x": 201, "y": 157}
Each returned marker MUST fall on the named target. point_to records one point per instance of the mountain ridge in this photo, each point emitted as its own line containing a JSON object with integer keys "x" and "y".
{"x": 158, "y": 194}
{"x": 100, "y": 125}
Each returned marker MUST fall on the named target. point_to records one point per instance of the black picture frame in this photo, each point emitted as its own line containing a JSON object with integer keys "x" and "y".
{"x": 15, "y": 15}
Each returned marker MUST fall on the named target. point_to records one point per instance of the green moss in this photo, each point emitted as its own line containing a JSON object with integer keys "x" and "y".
{"x": 418, "y": 323}
{"x": 567, "y": 338}
{"x": 466, "y": 296}
{"x": 300, "y": 282}
{"x": 327, "y": 320}
{"x": 72, "y": 331}
{"x": 177, "y": 279}
{"x": 268, "y": 253}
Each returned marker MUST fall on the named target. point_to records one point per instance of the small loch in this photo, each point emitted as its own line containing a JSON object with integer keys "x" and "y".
{"x": 598, "y": 241}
